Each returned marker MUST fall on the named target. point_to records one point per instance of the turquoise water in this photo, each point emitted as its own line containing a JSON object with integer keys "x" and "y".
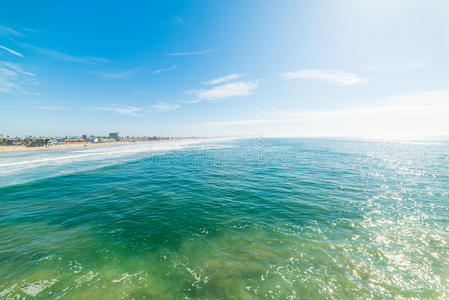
{"x": 237, "y": 219}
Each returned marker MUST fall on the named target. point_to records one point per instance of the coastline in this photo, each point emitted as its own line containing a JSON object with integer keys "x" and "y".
{"x": 13, "y": 149}
{"x": 8, "y": 149}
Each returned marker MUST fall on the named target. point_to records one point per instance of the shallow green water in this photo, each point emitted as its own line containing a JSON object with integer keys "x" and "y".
{"x": 275, "y": 219}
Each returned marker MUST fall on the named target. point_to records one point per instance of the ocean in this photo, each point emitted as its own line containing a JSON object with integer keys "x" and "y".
{"x": 227, "y": 219}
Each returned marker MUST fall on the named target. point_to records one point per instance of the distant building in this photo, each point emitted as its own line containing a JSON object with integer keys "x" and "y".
{"x": 13, "y": 142}
{"x": 74, "y": 141}
{"x": 41, "y": 143}
{"x": 91, "y": 139}
{"x": 115, "y": 136}
{"x": 104, "y": 140}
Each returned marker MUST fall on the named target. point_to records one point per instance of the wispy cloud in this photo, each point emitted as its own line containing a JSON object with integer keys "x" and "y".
{"x": 177, "y": 20}
{"x": 189, "y": 53}
{"x": 31, "y": 30}
{"x": 63, "y": 56}
{"x": 415, "y": 65}
{"x": 11, "y": 51}
{"x": 13, "y": 78}
{"x": 237, "y": 123}
{"x": 233, "y": 89}
{"x": 162, "y": 107}
{"x": 424, "y": 104}
{"x": 17, "y": 68}
{"x": 223, "y": 79}
{"x": 334, "y": 76}
{"x": 70, "y": 58}
{"x": 190, "y": 100}
{"x": 423, "y": 113}
{"x": 136, "y": 110}
{"x": 120, "y": 109}
{"x": 164, "y": 69}
{"x": 403, "y": 66}
{"x": 51, "y": 107}
{"x": 117, "y": 75}
{"x": 7, "y": 31}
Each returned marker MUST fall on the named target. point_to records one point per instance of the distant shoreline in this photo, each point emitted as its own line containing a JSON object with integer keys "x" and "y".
{"x": 21, "y": 148}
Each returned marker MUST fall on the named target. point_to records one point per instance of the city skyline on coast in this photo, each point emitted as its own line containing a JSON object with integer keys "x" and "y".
{"x": 171, "y": 68}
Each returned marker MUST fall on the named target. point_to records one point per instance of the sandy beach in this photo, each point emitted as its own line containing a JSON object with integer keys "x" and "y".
{"x": 66, "y": 146}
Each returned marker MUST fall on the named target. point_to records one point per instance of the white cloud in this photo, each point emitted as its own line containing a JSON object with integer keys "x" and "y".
{"x": 162, "y": 107}
{"x": 419, "y": 114}
{"x": 13, "y": 78}
{"x": 11, "y": 51}
{"x": 189, "y": 53}
{"x": 223, "y": 79}
{"x": 334, "y": 76}
{"x": 233, "y": 89}
{"x": 120, "y": 109}
{"x": 164, "y": 69}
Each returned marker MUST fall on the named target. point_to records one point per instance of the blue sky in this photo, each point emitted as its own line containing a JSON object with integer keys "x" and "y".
{"x": 214, "y": 68}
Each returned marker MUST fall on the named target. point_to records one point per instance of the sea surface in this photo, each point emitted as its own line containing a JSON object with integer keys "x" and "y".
{"x": 227, "y": 219}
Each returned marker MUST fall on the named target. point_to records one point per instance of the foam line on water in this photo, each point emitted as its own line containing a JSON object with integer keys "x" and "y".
{"x": 38, "y": 165}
